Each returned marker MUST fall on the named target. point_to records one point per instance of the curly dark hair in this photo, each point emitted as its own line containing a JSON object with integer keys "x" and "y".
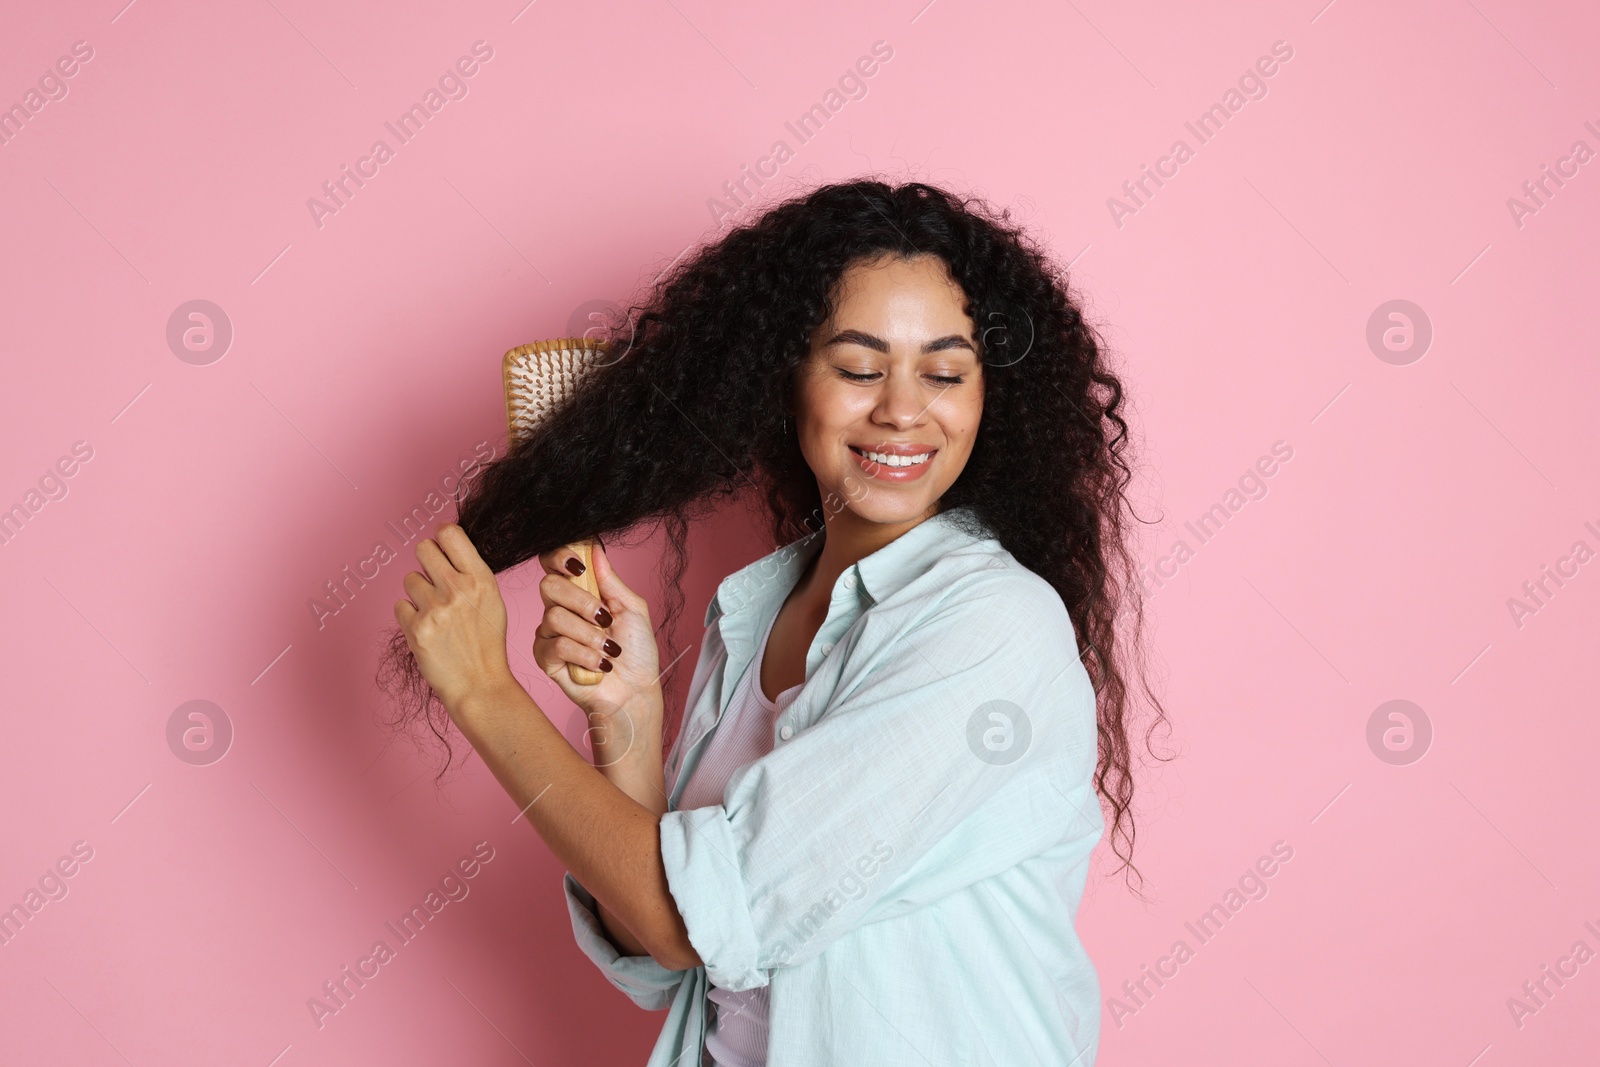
{"x": 709, "y": 358}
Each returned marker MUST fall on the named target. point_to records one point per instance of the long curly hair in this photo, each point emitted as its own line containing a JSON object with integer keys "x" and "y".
{"x": 705, "y": 367}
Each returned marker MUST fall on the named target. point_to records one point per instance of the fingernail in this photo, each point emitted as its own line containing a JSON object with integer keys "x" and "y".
{"x": 605, "y": 664}
{"x": 575, "y": 565}
{"x": 603, "y": 617}
{"x": 612, "y": 648}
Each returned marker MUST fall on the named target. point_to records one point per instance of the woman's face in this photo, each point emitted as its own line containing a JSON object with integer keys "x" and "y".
{"x": 896, "y": 373}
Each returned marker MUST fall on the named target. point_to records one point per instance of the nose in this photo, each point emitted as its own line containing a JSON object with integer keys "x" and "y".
{"x": 901, "y": 404}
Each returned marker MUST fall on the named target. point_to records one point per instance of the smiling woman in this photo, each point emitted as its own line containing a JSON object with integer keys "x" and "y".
{"x": 901, "y": 406}
{"x": 903, "y": 723}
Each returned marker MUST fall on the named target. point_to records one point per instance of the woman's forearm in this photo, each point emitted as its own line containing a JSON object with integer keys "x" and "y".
{"x": 620, "y": 936}
{"x": 627, "y": 750}
{"x": 608, "y": 840}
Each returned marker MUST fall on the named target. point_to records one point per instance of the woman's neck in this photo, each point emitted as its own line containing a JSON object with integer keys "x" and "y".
{"x": 847, "y": 538}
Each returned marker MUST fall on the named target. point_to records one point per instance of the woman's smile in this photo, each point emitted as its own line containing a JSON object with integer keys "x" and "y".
{"x": 894, "y": 463}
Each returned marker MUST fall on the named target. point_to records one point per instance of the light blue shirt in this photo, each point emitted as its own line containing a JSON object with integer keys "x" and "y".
{"x": 905, "y": 865}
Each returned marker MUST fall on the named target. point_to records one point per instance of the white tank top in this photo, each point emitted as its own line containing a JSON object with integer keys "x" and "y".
{"x": 737, "y": 1035}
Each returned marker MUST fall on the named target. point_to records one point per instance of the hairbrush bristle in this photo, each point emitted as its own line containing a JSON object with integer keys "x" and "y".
{"x": 543, "y": 377}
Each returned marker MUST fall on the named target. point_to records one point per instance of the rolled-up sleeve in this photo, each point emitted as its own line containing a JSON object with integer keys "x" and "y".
{"x": 957, "y": 742}
{"x": 646, "y": 982}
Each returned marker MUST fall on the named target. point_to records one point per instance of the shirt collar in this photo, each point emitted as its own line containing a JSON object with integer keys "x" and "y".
{"x": 880, "y": 573}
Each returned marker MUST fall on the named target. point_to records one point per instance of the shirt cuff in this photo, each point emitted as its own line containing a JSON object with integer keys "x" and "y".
{"x": 699, "y": 854}
{"x": 646, "y": 982}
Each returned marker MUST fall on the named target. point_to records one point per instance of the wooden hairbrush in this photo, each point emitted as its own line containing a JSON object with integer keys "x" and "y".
{"x": 539, "y": 378}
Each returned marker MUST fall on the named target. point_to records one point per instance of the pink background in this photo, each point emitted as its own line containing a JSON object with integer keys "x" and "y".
{"x": 364, "y": 365}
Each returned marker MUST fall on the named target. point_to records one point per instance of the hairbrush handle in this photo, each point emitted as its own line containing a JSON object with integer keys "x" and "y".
{"x": 584, "y": 551}
{"x": 539, "y": 379}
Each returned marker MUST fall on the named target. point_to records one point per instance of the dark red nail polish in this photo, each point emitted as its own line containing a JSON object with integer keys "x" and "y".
{"x": 575, "y": 565}
{"x": 605, "y": 664}
{"x": 612, "y": 648}
{"x": 603, "y": 617}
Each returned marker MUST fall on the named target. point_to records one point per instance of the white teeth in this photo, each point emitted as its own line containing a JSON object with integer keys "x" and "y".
{"x": 896, "y": 461}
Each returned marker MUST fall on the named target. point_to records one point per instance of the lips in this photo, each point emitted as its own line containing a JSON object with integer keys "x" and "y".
{"x": 891, "y": 466}
{"x": 893, "y": 450}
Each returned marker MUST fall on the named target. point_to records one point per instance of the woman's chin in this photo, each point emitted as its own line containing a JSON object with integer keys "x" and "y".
{"x": 890, "y": 507}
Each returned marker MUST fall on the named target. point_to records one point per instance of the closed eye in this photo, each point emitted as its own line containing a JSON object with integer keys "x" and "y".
{"x": 943, "y": 379}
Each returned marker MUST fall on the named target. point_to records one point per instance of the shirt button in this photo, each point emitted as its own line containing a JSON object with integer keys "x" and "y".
{"x": 849, "y": 579}
{"x": 786, "y": 731}
{"x": 827, "y": 647}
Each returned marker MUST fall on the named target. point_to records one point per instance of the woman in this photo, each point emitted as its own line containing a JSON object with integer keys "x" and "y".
{"x": 869, "y": 839}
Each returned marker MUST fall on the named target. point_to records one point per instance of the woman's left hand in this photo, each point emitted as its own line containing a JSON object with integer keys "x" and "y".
{"x": 455, "y": 619}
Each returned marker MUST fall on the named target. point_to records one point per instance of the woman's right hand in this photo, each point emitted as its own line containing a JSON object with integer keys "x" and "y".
{"x": 576, "y": 629}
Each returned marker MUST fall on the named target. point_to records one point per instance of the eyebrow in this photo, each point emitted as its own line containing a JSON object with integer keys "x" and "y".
{"x": 867, "y": 340}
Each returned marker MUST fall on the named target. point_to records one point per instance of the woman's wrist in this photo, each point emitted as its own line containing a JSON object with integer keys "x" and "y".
{"x": 478, "y": 706}
{"x": 627, "y": 749}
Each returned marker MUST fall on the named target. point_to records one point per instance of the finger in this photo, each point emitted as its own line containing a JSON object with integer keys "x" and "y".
{"x": 419, "y": 589}
{"x": 458, "y": 547}
{"x": 544, "y": 653}
{"x": 561, "y": 622}
{"x": 565, "y": 650}
{"x": 563, "y": 561}
{"x": 435, "y": 562}
{"x": 557, "y": 591}
{"x": 404, "y": 612}
{"x": 553, "y": 650}
{"x": 611, "y": 585}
